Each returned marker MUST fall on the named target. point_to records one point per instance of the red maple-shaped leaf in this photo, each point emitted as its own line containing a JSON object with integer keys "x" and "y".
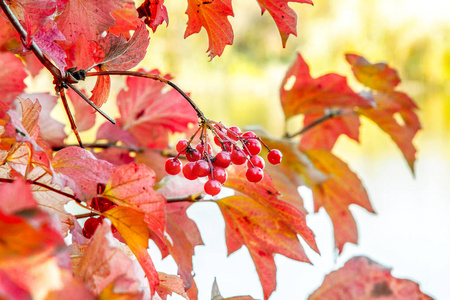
{"x": 213, "y": 16}
{"x": 336, "y": 193}
{"x": 126, "y": 19}
{"x": 325, "y": 134}
{"x": 12, "y": 74}
{"x": 84, "y": 170}
{"x": 148, "y": 113}
{"x": 122, "y": 54}
{"x": 135, "y": 231}
{"x": 393, "y": 111}
{"x": 377, "y": 76}
{"x": 154, "y": 12}
{"x": 283, "y": 15}
{"x": 184, "y": 236}
{"x": 131, "y": 185}
{"x": 119, "y": 54}
{"x": 362, "y": 278}
{"x": 33, "y": 14}
{"x": 259, "y": 219}
{"x": 300, "y": 93}
{"x": 95, "y": 15}
{"x": 395, "y": 114}
{"x": 16, "y": 197}
{"x": 103, "y": 264}
{"x": 45, "y": 39}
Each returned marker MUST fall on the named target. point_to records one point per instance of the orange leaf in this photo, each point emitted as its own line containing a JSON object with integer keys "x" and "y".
{"x": 395, "y": 114}
{"x": 325, "y": 134}
{"x": 213, "y": 16}
{"x": 284, "y": 16}
{"x": 300, "y": 93}
{"x": 377, "y": 76}
{"x": 341, "y": 189}
{"x": 362, "y": 278}
{"x": 131, "y": 185}
{"x": 131, "y": 226}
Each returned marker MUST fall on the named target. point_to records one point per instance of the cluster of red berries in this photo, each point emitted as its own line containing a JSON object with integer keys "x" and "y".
{"x": 90, "y": 226}
{"x": 237, "y": 148}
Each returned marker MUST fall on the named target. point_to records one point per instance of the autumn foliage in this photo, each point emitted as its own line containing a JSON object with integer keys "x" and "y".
{"x": 119, "y": 178}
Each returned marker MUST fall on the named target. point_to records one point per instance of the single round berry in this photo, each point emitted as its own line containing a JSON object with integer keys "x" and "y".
{"x": 212, "y": 187}
{"x": 257, "y": 161}
{"x": 188, "y": 171}
{"x": 173, "y": 166}
{"x": 201, "y": 168}
{"x": 182, "y": 146}
{"x": 90, "y": 226}
{"x": 253, "y": 147}
{"x": 219, "y": 174}
{"x": 254, "y": 174}
{"x": 101, "y": 204}
{"x": 274, "y": 156}
{"x": 223, "y": 159}
{"x": 237, "y": 133}
{"x": 249, "y": 135}
{"x": 193, "y": 155}
{"x": 200, "y": 148}
{"x": 238, "y": 157}
{"x": 217, "y": 141}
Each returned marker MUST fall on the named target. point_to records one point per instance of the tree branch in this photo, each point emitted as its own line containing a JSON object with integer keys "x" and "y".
{"x": 157, "y": 78}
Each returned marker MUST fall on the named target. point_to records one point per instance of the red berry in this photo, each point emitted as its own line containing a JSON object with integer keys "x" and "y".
{"x": 257, "y": 161}
{"x": 90, "y": 226}
{"x": 188, "y": 171}
{"x": 217, "y": 141}
{"x": 223, "y": 159}
{"x": 219, "y": 174}
{"x": 173, "y": 166}
{"x": 200, "y": 147}
{"x": 101, "y": 204}
{"x": 249, "y": 135}
{"x": 182, "y": 146}
{"x": 238, "y": 157}
{"x": 253, "y": 147}
{"x": 212, "y": 187}
{"x": 201, "y": 168}
{"x": 193, "y": 155}
{"x": 274, "y": 156}
{"x": 236, "y": 135}
{"x": 254, "y": 174}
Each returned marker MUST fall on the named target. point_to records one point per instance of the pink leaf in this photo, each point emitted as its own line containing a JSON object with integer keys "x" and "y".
{"x": 12, "y": 74}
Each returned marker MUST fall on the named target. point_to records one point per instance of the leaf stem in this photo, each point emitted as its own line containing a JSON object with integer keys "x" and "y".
{"x": 157, "y": 78}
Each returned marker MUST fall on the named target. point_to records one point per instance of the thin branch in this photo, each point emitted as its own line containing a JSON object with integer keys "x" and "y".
{"x": 157, "y": 78}
{"x": 69, "y": 115}
{"x": 91, "y": 103}
{"x": 7, "y": 180}
{"x": 190, "y": 198}
{"x": 87, "y": 215}
{"x": 329, "y": 115}
{"x": 24, "y": 36}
